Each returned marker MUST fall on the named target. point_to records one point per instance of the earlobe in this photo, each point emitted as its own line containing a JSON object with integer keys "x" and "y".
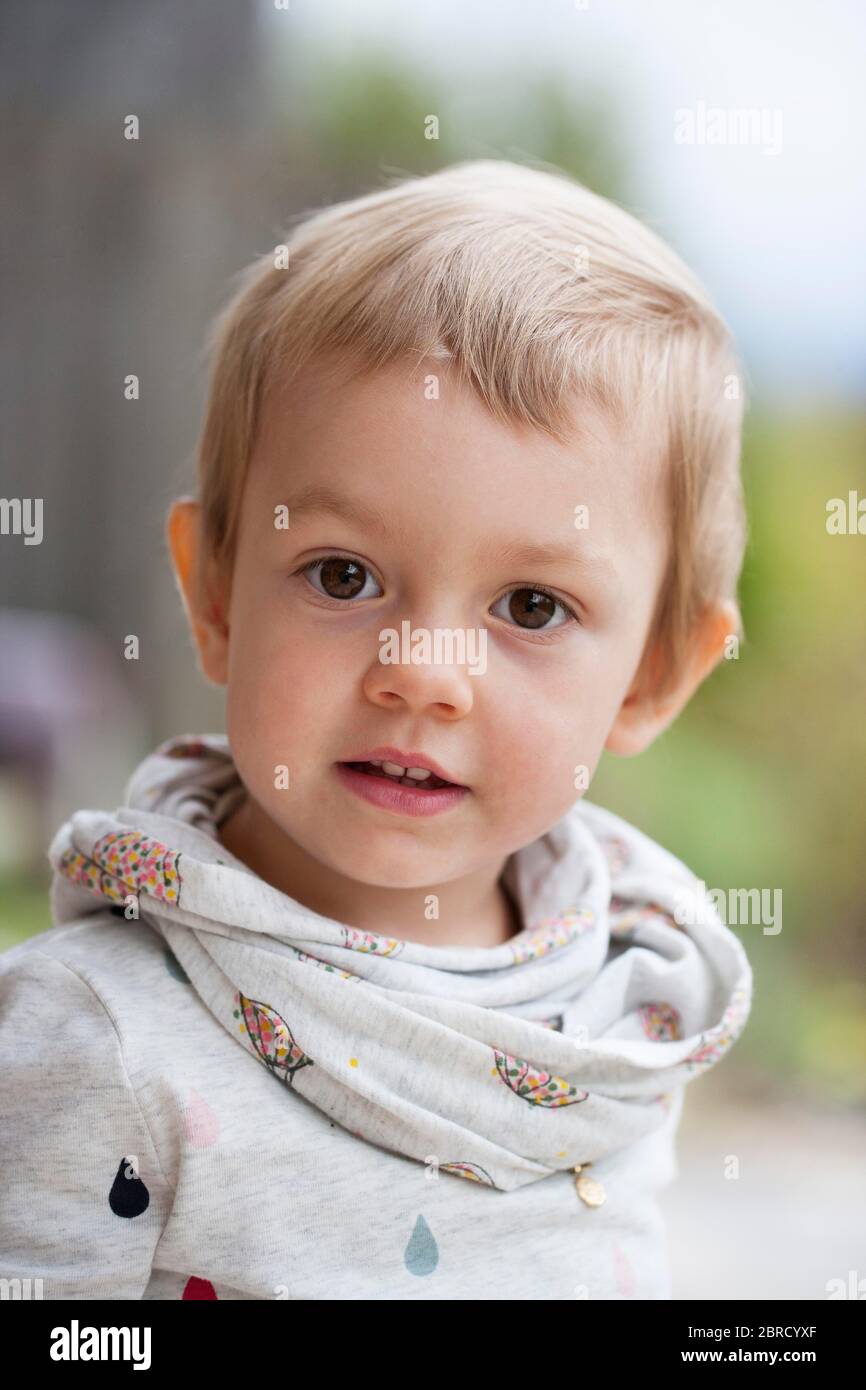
{"x": 642, "y": 717}
{"x": 634, "y": 728}
{"x": 204, "y": 605}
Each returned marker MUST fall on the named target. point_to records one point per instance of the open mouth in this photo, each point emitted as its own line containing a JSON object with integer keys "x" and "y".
{"x": 416, "y": 777}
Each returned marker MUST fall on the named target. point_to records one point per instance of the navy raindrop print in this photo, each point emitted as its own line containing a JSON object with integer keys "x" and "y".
{"x": 128, "y": 1195}
{"x": 174, "y": 966}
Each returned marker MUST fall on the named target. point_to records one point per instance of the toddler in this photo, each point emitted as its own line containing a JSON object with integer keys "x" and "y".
{"x": 364, "y": 999}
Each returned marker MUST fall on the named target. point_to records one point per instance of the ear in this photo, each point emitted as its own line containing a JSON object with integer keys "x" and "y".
{"x": 642, "y": 717}
{"x": 206, "y": 603}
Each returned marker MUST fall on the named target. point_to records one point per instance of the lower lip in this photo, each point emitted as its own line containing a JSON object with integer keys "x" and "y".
{"x": 393, "y": 796}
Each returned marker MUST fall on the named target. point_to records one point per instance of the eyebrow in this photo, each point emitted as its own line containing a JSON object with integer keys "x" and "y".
{"x": 319, "y": 499}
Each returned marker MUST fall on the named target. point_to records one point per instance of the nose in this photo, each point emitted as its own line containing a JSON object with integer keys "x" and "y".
{"x": 437, "y": 684}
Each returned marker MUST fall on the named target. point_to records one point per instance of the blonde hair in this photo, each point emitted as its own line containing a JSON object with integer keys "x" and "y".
{"x": 541, "y": 293}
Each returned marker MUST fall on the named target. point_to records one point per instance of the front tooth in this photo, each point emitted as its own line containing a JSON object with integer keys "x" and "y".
{"x": 394, "y": 769}
{"x": 419, "y": 773}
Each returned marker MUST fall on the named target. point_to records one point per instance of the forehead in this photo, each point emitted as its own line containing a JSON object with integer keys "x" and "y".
{"x": 414, "y": 444}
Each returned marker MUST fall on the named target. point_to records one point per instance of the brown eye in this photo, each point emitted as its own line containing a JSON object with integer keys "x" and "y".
{"x": 532, "y": 609}
{"x": 340, "y": 576}
{"x": 531, "y": 604}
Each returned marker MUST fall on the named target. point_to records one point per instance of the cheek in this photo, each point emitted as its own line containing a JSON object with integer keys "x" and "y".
{"x": 274, "y": 702}
{"x": 550, "y": 727}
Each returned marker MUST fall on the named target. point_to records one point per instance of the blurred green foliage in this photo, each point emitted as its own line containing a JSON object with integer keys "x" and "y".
{"x": 759, "y": 783}
{"x": 24, "y": 909}
{"x": 356, "y": 120}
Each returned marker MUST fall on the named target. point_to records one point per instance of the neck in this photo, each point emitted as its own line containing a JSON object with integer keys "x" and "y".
{"x": 474, "y": 911}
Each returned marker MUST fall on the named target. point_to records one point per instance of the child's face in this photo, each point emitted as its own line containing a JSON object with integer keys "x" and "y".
{"x": 455, "y": 490}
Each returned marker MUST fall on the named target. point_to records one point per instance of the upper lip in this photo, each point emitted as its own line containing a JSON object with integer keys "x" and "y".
{"x": 387, "y": 753}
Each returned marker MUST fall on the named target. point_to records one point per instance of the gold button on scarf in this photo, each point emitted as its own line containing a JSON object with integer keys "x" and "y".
{"x": 589, "y": 1189}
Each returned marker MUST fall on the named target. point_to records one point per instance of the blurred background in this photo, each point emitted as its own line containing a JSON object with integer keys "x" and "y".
{"x": 118, "y": 253}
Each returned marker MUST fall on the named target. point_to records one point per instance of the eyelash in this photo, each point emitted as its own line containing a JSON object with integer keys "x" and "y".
{"x": 539, "y": 634}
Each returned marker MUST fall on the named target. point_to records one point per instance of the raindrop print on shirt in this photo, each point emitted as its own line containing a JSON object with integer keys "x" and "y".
{"x": 174, "y": 967}
{"x": 201, "y": 1125}
{"x": 625, "y": 1276}
{"x": 128, "y": 1195}
{"x": 421, "y": 1255}
{"x": 198, "y": 1288}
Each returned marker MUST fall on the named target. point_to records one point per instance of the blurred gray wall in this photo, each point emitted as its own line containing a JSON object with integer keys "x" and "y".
{"x": 116, "y": 255}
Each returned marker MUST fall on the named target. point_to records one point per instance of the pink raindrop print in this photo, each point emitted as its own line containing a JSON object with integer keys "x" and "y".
{"x": 626, "y": 1281}
{"x": 200, "y": 1123}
